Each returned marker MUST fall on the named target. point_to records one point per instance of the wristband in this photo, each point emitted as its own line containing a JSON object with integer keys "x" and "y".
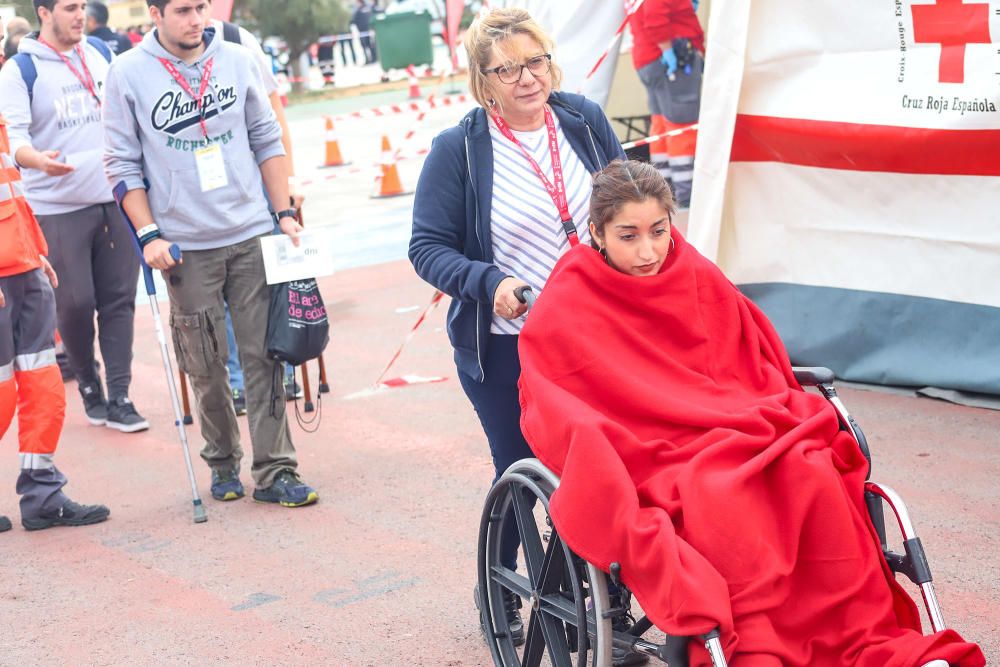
{"x": 147, "y": 234}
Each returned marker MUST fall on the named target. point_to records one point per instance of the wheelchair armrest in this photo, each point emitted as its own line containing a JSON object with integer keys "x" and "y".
{"x": 813, "y": 376}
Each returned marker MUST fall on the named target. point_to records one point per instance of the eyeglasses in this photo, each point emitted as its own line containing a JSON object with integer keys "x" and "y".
{"x": 538, "y": 66}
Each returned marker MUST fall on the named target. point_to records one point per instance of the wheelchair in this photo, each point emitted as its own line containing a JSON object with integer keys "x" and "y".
{"x": 574, "y": 618}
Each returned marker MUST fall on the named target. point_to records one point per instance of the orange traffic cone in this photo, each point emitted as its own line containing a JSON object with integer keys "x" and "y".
{"x": 414, "y": 83}
{"x": 390, "y": 185}
{"x": 333, "y": 156}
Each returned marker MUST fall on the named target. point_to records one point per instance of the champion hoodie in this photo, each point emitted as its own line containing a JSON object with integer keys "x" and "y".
{"x": 62, "y": 116}
{"x": 151, "y": 133}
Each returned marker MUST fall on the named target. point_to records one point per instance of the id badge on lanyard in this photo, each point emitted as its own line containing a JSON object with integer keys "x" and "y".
{"x": 556, "y": 190}
{"x": 211, "y": 168}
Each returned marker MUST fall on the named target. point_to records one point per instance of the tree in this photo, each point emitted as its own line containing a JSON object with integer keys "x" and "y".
{"x": 299, "y": 22}
{"x": 23, "y": 8}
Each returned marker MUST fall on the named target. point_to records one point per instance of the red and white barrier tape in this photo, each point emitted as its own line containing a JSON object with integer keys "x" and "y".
{"x": 614, "y": 40}
{"x": 393, "y": 383}
{"x": 435, "y": 301}
{"x": 403, "y": 380}
{"x": 393, "y": 109}
{"x": 657, "y": 137}
{"x": 326, "y": 39}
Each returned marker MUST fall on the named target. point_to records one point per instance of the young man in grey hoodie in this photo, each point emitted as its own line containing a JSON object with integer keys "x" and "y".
{"x": 51, "y": 95}
{"x": 187, "y": 117}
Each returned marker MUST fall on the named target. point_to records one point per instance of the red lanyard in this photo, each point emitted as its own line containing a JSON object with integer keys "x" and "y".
{"x": 88, "y": 81}
{"x": 199, "y": 101}
{"x": 558, "y": 190}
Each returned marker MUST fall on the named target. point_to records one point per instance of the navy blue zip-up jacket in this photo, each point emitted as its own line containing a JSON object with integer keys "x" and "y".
{"x": 451, "y": 247}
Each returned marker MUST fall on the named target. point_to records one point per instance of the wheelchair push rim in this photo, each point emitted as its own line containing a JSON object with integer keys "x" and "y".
{"x": 557, "y": 590}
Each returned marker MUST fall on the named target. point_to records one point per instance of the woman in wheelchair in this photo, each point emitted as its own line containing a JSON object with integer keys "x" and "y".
{"x": 690, "y": 456}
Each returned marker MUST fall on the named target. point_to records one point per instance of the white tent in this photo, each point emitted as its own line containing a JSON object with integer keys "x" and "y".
{"x": 847, "y": 180}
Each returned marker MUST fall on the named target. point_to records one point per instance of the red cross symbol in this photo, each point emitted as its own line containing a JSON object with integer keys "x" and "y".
{"x": 952, "y": 24}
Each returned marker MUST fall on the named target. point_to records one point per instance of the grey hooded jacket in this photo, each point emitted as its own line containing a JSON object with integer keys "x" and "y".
{"x": 152, "y": 131}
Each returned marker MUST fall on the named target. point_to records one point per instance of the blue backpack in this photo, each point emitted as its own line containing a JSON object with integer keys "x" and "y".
{"x": 29, "y": 73}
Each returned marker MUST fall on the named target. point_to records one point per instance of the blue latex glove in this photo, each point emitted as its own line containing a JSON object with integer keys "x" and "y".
{"x": 669, "y": 60}
{"x": 694, "y": 3}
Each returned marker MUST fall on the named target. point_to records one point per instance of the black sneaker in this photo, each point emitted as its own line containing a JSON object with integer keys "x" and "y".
{"x": 123, "y": 417}
{"x": 226, "y": 485}
{"x": 5, "y": 524}
{"x": 70, "y": 514}
{"x": 293, "y": 390}
{"x": 94, "y": 404}
{"x": 287, "y": 490}
{"x": 239, "y": 402}
{"x": 511, "y": 604}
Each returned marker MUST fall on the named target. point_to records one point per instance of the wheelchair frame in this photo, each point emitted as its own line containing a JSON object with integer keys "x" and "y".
{"x": 567, "y": 595}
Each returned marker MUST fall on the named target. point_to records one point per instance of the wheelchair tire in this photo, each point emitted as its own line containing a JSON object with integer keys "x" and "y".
{"x": 562, "y": 593}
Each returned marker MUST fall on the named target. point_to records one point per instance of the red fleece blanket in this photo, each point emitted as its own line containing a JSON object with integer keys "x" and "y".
{"x": 688, "y": 453}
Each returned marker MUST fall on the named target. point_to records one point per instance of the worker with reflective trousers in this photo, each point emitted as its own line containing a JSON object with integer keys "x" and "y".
{"x": 30, "y": 381}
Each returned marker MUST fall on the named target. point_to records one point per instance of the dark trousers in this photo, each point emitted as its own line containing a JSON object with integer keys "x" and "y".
{"x": 496, "y": 403}
{"x": 347, "y": 44}
{"x": 368, "y": 49}
{"x": 91, "y": 251}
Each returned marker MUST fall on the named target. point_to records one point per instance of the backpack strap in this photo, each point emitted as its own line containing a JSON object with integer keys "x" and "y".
{"x": 231, "y": 32}
{"x": 101, "y": 46}
{"x": 28, "y": 72}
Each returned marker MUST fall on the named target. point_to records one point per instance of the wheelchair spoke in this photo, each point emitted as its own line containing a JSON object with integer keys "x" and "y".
{"x": 511, "y": 580}
{"x": 534, "y": 642}
{"x": 553, "y": 572}
{"x": 555, "y": 640}
{"x": 531, "y": 540}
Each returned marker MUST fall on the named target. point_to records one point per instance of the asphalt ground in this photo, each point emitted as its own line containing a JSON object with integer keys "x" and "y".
{"x": 380, "y": 571}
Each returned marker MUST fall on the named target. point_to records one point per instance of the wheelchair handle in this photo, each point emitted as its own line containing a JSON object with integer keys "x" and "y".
{"x": 525, "y": 294}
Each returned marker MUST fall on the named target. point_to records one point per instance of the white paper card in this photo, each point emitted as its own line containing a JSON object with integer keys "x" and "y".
{"x": 211, "y": 167}
{"x": 312, "y": 259}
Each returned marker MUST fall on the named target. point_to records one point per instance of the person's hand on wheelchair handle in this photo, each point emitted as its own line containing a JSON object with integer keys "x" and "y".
{"x": 505, "y": 304}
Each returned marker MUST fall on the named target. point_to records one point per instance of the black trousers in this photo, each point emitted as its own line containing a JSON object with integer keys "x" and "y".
{"x": 496, "y": 403}
{"x": 98, "y": 270}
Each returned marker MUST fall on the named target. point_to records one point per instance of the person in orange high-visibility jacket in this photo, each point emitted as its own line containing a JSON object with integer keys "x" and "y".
{"x": 667, "y": 52}
{"x": 30, "y": 381}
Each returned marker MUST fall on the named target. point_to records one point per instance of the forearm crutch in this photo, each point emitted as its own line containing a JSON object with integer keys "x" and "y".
{"x": 147, "y": 275}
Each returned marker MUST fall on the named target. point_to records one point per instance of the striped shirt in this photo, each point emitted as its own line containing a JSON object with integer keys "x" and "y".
{"x": 527, "y": 233}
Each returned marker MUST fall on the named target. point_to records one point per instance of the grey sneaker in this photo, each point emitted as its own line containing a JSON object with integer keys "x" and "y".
{"x": 226, "y": 485}
{"x": 287, "y": 490}
{"x": 123, "y": 417}
{"x": 94, "y": 403}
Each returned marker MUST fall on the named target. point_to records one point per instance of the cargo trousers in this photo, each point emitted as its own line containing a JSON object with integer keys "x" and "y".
{"x": 199, "y": 288}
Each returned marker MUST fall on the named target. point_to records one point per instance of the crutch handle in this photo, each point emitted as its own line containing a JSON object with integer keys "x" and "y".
{"x": 147, "y": 273}
{"x": 524, "y": 294}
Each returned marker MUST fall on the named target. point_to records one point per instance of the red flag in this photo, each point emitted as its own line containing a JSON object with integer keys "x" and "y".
{"x": 222, "y": 9}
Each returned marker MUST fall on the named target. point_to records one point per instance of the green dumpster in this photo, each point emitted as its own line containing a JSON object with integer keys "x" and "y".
{"x": 403, "y": 39}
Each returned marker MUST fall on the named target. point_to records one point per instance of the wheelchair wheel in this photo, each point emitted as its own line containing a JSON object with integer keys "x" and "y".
{"x": 566, "y": 597}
